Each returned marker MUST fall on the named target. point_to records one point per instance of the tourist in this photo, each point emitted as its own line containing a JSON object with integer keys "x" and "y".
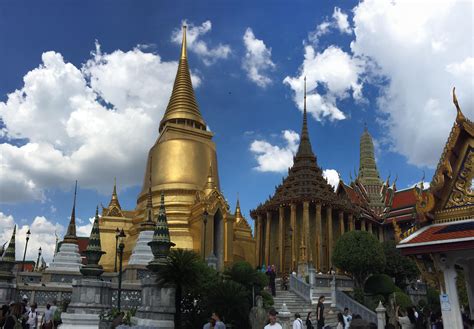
{"x": 309, "y": 324}
{"x": 272, "y": 318}
{"x": 32, "y": 317}
{"x": 3, "y": 314}
{"x": 340, "y": 321}
{"x": 320, "y": 312}
{"x": 210, "y": 325}
{"x": 298, "y": 323}
{"x": 13, "y": 320}
{"x": 272, "y": 280}
{"x": 347, "y": 318}
{"x": 47, "y": 321}
{"x": 284, "y": 282}
{"x": 407, "y": 321}
{"x": 217, "y": 317}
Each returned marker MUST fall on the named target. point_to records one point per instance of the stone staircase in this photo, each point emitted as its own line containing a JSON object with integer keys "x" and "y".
{"x": 295, "y": 304}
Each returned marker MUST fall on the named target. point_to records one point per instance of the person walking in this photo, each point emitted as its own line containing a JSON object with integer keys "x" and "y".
{"x": 298, "y": 323}
{"x": 217, "y": 317}
{"x": 13, "y": 320}
{"x": 47, "y": 320}
{"x": 32, "y": 317}
{"x": 340, "y": 321}
{"x": 320, "y": 312}
{"x": 272, "y": 280}
{"x": 309, "y": 324}
{"x": 210, "y": 325}
{"x": 272, "y": 317}
{"x": 347, "y": 318}
{"x": 408, "y": 321}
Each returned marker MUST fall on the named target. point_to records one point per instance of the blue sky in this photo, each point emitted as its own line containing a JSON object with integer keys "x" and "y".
{"x": 89, "y": 114}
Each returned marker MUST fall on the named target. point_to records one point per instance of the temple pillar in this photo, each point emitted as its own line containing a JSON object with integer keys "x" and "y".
{"x": 319, "y": 245}
{"x": 341, "y": 223}
{"x": 362, "y": 224}
{"x": 281, "y": 237}
{"x": 267, "y": 238}
{"x": 293, "y": 236}
{"x": 380, "y": 230}
{"x": 351, "y": 222}
{"x": 258, "y": 238}
{"x": 229, "y": 241}
{"x": 330, "y": 235}
{"x": 369, "y": 224}
{"x": 306, "y": 231}
{"x": 450, "y": 308}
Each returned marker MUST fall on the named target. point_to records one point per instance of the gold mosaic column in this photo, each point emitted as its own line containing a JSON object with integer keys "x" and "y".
{"x": 351, "y": 222}
{"x": 381, "y": 238}
{"x": 293, "y": 237}
{"x": 258, "y": 237}
{"x": 362, "y": 225}
{"x": 306, "y": 230}
{"x": 281, "y": 237}
{"x": 330, "y": 236}
{"x": 267, "y": 239}
{"x": 319, "y": 242}
{"x": 341, "y": 223}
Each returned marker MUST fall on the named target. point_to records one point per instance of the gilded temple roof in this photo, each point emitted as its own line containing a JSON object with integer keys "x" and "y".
{"x": 305, "y": 180}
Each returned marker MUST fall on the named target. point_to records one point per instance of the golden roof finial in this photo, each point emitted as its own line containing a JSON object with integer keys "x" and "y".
{"x": 70, "y": 236}
{"x": 184, "y": 53}
{"x": 460, "y": 116}
{"x": 182, "y": 107}
{"x": 238, "y": 212}
{"x": 114, "y": 201}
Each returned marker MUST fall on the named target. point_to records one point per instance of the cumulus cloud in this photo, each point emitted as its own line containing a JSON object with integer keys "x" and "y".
{"x": 339, "y": 21}
{"x": 337, "y": 72}
{"x": 209, "y": 55}
{"x": 332, "y": 176}
{"x": 257, "y": 60}
{"x": 274, "y": 158}
{"x": 90, "y": 122}
{"x": 43, "y": 234}
{"x": 422, "y": 51}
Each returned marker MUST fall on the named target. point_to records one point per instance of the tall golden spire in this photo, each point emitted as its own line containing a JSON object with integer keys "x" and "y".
{"x": 305, "y": 148}
{"x": 182, "y": 107}
{"x": 70, "y": 236}
{"x": 114, "y": 201}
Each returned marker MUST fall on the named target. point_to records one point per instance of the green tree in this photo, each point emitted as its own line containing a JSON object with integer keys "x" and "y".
{"x": 243, "y": 273}
{"x": 182, "y": 272}
{"x": 403, "y": 269}
{"x": 230, "y": 299}
{"x": 360, "y": 254}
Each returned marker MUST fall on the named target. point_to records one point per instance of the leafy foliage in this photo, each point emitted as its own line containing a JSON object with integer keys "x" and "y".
{"x": 360, "y": 254}
{"x": 379, "y": 284}
{"x": 402, "y": 269}
{"x": 200, "y": 290}
{"x": 402, "y": 300}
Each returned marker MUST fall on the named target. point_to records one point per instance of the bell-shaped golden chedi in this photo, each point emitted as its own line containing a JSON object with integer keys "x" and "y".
{"x": 182, "y": 164}
{"x": 184, "y": 150}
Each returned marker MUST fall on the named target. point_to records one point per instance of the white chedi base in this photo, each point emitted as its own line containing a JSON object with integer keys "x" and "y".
{"x": 141, "y": 254}
{"x": 67, "y": 259}
{"x": 79, "y": 321}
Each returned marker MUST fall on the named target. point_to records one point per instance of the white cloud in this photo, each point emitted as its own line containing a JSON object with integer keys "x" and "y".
{"x": 422, "y": 51}
{"x": 257, "y": 60}
{"x": 194, "y": 34}
{"x": 339, "y": 21}
{"x": 273, "y": 158}
{"x": 332, "y": 176}
{"x": 42, "y": 235}
{"x": 335, "y": 70}
{"x": 90, "y": 123}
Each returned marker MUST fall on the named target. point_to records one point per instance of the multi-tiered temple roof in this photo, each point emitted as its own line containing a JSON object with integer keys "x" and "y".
{"x": 305, "y": 180}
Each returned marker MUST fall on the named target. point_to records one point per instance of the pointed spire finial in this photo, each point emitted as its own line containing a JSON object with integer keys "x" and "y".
{"x": 9, "y": 254}
{"x": 71, "y": 236}
{"x": 184, "y": 53}
{"x": 305, "y": 149}
{"x": 94, "y": 250}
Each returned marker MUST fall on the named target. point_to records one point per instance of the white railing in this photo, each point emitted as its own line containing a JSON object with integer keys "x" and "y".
{"x": 343, "y": 300}
{"x": 301, "y": 288}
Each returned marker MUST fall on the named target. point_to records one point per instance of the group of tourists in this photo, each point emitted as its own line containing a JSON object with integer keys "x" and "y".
{"x": 21, "y": 315}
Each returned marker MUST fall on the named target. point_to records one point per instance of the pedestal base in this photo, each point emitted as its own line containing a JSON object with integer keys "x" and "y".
{"x": 141, "y": 254}
{"x": 157, "y": 308}
{"x": 67, "y": 259}
{"x": 79, "y": 321}
{"x": 90, "y": 297}
{"x": 7, "y": 292}
{"x": 303, "y": 269}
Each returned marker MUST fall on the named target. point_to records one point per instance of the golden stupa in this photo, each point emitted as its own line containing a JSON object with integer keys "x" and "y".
{"x": 183, "y": 164}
